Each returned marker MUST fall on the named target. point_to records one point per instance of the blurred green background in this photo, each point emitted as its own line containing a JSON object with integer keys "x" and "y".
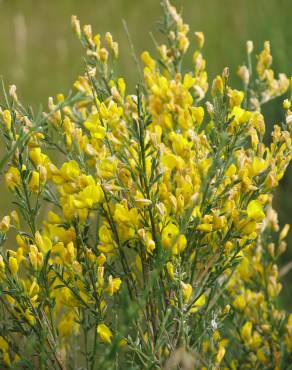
{"x": 40, "y": 54}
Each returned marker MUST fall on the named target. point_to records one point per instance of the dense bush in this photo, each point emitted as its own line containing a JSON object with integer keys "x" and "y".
{"x": 144, "y": 235}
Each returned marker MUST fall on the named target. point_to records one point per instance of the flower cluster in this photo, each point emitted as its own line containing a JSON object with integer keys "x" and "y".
{"x": 144, "y": 232}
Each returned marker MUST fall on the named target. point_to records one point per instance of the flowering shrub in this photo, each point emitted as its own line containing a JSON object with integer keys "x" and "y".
{"x": 143, "y": 235}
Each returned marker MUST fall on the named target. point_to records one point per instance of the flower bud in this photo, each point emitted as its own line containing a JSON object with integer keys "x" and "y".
{"x": 286, "y": 104}
{"x": 7, "y": 119}
{"x": 186, "y": 291}
{"x": 34, "y": 182}
{"x": 75, "y": 23}
{"x": 13, "y": 265}
{"x": 217, "y": 86}
{"x": 5, "y": 224}
{"x": 12, "y": 92}
{"x": 200, "y": 39}
{"x": 249, "y": 47}
{"x": 104, "y": 333}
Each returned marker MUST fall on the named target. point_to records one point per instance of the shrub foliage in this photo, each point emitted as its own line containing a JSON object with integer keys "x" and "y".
{"x": 143, "y": 234}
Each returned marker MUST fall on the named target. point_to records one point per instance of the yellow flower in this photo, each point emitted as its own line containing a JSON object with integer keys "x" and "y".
{"x": 70, "y": 170}
{"x": 231, "y": 170}
{"x": 235, "y": 98}
{"x": 205, "y": 227}
{"x": 36, "y": 258}
{"x": 255, "y": 210}
{"x": 217, "y": 86}
{"x": 239, "y": 302}
{"x": 246, "y": 332}
{"x": 12, "y": 177}
{"x": 198, "y": 303}
{"x": 15, "y": 219}
{"x": 53, "y": 218}
{"x": 107, "y": 168}
{"x": 198, "y": 114}
{"x": 171, "y": 239}
{"x": 148, "y": 61}
{"x": 139, "y": 263}
{"x": 180, "y": 244}
{"x": 284, "y": 232}
{"x": 34, "y": 182}
{"x": 220, "y": 354}
{"x": 200, "y": 38}
{"x": 170, "y": 270}
{"x": 147, "y": 238}
{"x": 7, "y": 119}
{"x": 258, "y": 165}
{"x": 95, "y": 127}
{"x": 2, "y": 268}
{"x": 256, "y": 340}
{"x": 286, "y": 104}
{"x": 13, "y": 265}
{"x": 4, "y": 344}
{"x": 66, "y": 325}
{"x": 88, "y": 197}
{"x": 189, "y": 81}
{"x": 168, "y": 236}
{"x": 219, "y": 222}
{"x": 43, "y": 242}
{"x": 247, "y": 228}
{"x": 105, "y": 238}
{"x": 104, "y": 333}
{"x": 37, "y": 157}
{"x": 170, "y": 161}
{"x": 125, "y": 216}
{"x": 113, "y": 285}
{"x": 240, "y": 115}
{"x": 261, "y": 355}
{"x": 183, "y": 42}
{"x": 187, "y": 291}
{"x": 123, "y": 342}
{"x": 101, "y": 259}
{"x": 5, "y": 224}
